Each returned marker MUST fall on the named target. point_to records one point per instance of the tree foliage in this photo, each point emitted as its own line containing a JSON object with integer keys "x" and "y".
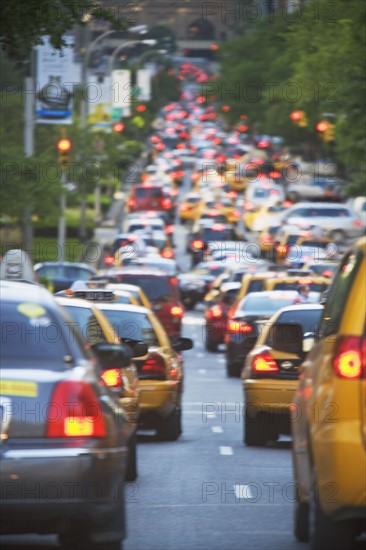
{"x": 25, "y": 22}
{"x": 313, "y": 61}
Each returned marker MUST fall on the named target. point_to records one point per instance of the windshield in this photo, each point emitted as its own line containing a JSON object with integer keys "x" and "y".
{"x": 134, "y": 325}
{"x": 262, "y": 305}
{"x": 155, "y": 288}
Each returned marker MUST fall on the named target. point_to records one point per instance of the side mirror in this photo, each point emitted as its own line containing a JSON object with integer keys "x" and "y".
{"x": 137, "y": 347}
{"x": 287, "y": 337}
{"x": 308, "y": 343}
{"x": 182, "y": 344}
{"x": 112, "y": 356}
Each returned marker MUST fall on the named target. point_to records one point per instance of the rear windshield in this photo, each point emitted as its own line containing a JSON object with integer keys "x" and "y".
{"x": 29, "y": 330}
{"x": 148, "y": 192}
{"x": 262, "y": 305}
{"x": 315, "y": 287}
{"x": 134, "y": 325}
{"x": 65, "y": 272}
{"x": 210, "y": 234}
{"x": 255, "y": 286}
{"x": 88, "y": 324}
{"x": 308, "y": 319}
{"x": 155, "y": 288}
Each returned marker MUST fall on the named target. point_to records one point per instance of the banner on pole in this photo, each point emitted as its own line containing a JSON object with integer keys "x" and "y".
{"x": 98, "y": 98}
{"x": 56, "y": 75}
{"x": 122, "y": 92}
{"x": 144, "y": 85}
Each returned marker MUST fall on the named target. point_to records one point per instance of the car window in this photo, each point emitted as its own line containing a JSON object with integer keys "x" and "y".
{"x": 24, "y": 335}
{"x": 262, "y": 304}
{"x": 134, "y": 325}
{"x": 53, "y": 272}
{"x": 88, "y": 324}
{"x": 332, "y": 212}
{"x": 77, "y": 273}
{"x": 298, "y": 212}
{"x": 210, "y": 234}
{"x": 338, "y": 293}
{"x": 155, "y": 288}
{"x": 308, "y": 319}
{"x": 255, "y": 286}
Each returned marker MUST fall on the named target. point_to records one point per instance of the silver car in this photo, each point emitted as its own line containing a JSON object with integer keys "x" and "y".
{"x": 64, "y": 435}
{"x": 337, "y": 220}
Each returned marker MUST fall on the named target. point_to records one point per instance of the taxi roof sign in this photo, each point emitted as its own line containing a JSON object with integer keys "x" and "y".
{"x": 16, "y": 265}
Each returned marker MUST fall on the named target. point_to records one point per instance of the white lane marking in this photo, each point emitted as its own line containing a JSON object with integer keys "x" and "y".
{"x": 200, "y": 355}
{"x": 202, "y": 371}
{"x": 226, "y": 451}
{"x": 217, "y": 429}
{"x": 221, "y": 360}
{"x": 243, "y": 491}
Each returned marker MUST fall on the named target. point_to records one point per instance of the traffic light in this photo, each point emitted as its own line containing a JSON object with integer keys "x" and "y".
{"x": 299, "y": 118}
{"x": 64, "y": 146}
{"x": 322, "y": 126}
{"x": 326, "y": 130}
{"x": 141, "y": 108}
{"x": 118, "y": 127}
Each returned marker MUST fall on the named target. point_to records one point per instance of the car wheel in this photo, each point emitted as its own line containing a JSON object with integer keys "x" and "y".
{"x": 338, "y": 236}
{"x": 232, "y": 370}
{"x": 211, "y": 345}
{"x": 302, "y": 521}
{"x": 326, "y": 533}
{"x": 169, "y": 428}
{"x": 131, "y": 471}
{"x": 257, "y": 431}
{"x": 76, "y": 541}
{"x": 293, "y": 196}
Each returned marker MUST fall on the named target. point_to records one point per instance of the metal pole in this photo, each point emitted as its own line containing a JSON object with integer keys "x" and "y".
{"x": 29, "y": 145}
{"x": 62, "y": 221}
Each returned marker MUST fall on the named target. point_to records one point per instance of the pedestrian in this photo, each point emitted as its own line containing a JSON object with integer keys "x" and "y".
{"x": 303, "y": 292}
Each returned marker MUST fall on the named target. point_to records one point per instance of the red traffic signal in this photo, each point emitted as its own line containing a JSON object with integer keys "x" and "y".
{"x": 64, "y": 145}
{"x": 297, "y": 115}
{"x": 118, "y": 127}
{"x": 225, "y": 108}
{"x": 322, "y": 126}
{"x": 141, "y": 108}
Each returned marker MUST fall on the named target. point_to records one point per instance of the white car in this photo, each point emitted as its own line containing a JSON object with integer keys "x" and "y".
{"x": 264, "y": 193}
{"x": 337, "y": 220}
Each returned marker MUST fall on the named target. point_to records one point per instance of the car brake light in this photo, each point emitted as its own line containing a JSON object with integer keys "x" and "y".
{"x": 131, "y": 202}
{"x": 236, "y": 327}
{"x": 177, "y": 311}
{"x": 264, "y": 362}
{"x": 357, "y": 223}
{"x": 154, "y": 365}
{"x": 169, "y": 229}
{"x": 268, "y": 239}
{"x": 282, "y": 248}
{"x": 109, "y": 260}
{"x": 197, "y": 244}
{"x": 166, "y": 203}
{"x": 328, "y": 273}
{"x": 349, "y": 358}
{"x": 112, "y": 378}
{"x": 215, "y": 312}
{"x": 77, "y": 411}
{"x": 167, "y": 253}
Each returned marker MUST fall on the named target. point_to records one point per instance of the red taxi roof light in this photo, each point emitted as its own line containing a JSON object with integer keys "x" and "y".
{"x": 75, "y": 411}
{"x": 198, "y": 244}
{"x": 238, "y": 327}
{"x": 264, "y": 362}
{"x": 349, "y": 357}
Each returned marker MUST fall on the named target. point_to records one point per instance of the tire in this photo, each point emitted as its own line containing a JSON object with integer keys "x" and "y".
{"x": 232, "y": 370}
{"x": 131, "y": 471}
{"x": 257, "y": 431}
{"x": 211, "y": 345}
{"x": 338, "y": 236}
{"x": 326, "y": 533}
{"x": 169, "y": 428}
{"x": 302, "y": 521}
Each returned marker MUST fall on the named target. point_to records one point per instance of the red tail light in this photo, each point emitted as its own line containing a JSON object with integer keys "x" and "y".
{"x": 169, "y": 229}
{"x": 77, "y": 411}
{"x": 268, "y": 239}
{"x": 237, "y": 327}
{"x": 167, "y": 253}
{"x": 184, "y": 208}
{"x": 166, "y": 203}
{"x": 328, "y": 273}
{"x": 154, "y": 365}
{"x": 131, "y": 202}
{"x": 198, "y": 245}
{"x": 109, "y": 260}
{"x": 177, "y": 311}
{"x": 215, "y": 312}
{"x": 112, "y": 378}
{"x": 264, "y": 362}
{"x": 282, "y": 249}
{"x": 357, "y": 223}
{"x": 349, "y": 359}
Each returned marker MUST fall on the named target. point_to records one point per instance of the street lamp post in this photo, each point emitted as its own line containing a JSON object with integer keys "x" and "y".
{"x": 112, "y": 58}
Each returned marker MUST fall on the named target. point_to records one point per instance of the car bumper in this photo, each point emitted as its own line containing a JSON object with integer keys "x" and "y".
{"x": 270, "y": 395}
{"x": 159, "y": 397}
{"x": 43, "y": 490}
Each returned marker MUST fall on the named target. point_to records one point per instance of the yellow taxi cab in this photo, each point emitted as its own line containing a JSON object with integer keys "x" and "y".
{"x": 96, "y": 328}
{"x": 160, "y": 371}
{"x": 229, "y": 210}
{"x": 329, "y": 416}
{"x": 190, "y": 206}
{"x": 288, "y": 282}
{"x": 256, "y": 218}
{"x": 270, "y": 374}
{"x": 233, "y": 176}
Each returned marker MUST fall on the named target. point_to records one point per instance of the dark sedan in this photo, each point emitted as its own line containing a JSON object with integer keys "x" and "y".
{"x": 60, "y": 275}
